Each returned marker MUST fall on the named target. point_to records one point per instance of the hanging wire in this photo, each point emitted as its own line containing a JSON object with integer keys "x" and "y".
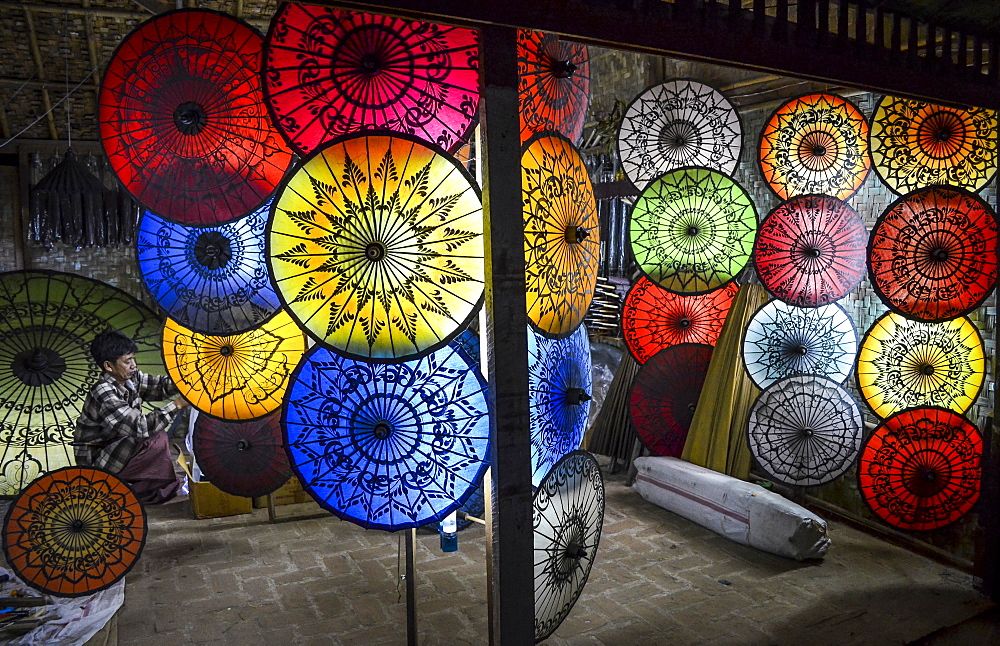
{"x": 69, "y": 125}
{"x": 18, "y": 90}
{"x": 54, "y": 106}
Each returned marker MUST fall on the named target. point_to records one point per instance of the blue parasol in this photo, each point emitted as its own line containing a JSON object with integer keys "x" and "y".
{"x": 212, "y": 280}
{"x": 388, "y": 446}
{"x": 559, "y": 386}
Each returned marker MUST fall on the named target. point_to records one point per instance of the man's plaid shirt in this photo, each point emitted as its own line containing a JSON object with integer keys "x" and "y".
{"x": 112, "y": 421}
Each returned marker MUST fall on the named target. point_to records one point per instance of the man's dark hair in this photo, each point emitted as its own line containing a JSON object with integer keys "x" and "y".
{"x": 109, "y": 346}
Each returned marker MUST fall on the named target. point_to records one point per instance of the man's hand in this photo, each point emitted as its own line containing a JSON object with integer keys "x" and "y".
{"x": 181, "y": 403}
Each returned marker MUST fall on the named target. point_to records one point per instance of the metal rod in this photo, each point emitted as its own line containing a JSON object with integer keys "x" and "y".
{"x": 411, "y": 586}
{"x": 488, "y": 513}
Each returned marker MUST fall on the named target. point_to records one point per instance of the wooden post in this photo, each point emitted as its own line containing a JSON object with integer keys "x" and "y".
{"x": 507, "y": 340}
{"x": 411, "y": 586}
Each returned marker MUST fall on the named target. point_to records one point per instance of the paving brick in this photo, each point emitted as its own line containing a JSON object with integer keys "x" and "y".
{"x": 655, "y": 581}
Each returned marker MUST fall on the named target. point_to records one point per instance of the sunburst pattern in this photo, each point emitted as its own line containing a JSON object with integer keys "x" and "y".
{"x": 376, "y": 247}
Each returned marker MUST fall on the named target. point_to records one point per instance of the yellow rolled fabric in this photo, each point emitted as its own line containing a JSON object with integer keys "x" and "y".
{"x": 718, "y": 438}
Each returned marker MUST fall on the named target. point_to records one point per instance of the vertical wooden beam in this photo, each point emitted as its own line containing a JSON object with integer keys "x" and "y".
{"x": 4, "y": 124}
{"x": 22, "y": 213}
{"x": 506, "y": 333}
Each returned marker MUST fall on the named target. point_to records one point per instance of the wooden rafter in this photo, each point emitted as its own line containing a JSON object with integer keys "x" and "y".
{"x": 37, "y": 55}
{"x": 91, "y": 42}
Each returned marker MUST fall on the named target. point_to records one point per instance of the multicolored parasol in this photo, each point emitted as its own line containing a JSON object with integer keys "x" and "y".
{"x": 653, "y": 318}
{"x": 692, "y": 230}
{"x": 47, "y": 321}
{"x": 74, "y": 531}
{"x": 805, "y": 430}
{"x": 376, "y": 246}
{"x": 916, "y": 144}
{"x": 782, "y": 340}
{"x": 561, "y": 234}
{"x": 183, "y": 120}
{"x": 331, "y": 72}
{"x": 933, "y": 253}
{"x": 568, "y": 516}
{"x": 212, "y": 280}
{"x": 678, "y": 123}
{"x": 388, "y": 446}
{"x": 553, "y": 84}
{"x": 665, "y": 394}
{"x": 921, "y": 468}
{"x": 904, "y": 363}
{"x": 234, "y": 377}
{"x": 242, "y": 458}
{"x": 811, "y": 250}
{"x": 559, "y": 388}
{"x": 815, "y": 144}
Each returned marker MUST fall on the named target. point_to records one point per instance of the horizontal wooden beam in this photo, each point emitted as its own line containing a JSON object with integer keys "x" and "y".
{"x": 101, "y": 12}
{"x": 48, "y": 85}
{"x": 709, "y": 31}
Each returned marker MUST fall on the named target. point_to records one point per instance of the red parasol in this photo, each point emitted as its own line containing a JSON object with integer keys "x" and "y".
{"x": 665, "y": 394}
{"x": 242, "y": 458}
{"x": 653, "y": 318}
{"x": 811, "y": 250}
{"x": 921, "y": 468}
{"x": 553, "y": 84}
{"x": 933, "y": 253}
{"x": 331, "y": 72}
{"x": 183, "y": 120}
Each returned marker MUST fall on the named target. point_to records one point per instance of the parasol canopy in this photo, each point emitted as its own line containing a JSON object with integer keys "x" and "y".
{"x": 904, "y": 363}
{"x": 238, "y": 376}
{"x": 242, "y": 458}
{"x": 933, "y": 253}
{"x": 665, "y": 394}
{"x": 561, "y": 234}
{"x": 211, "y": 280}
{"x": 653, "y": 318}
{"x": 559, "y": 391}
{"x": 811, "y": 250}
{"x": 331, "y": 72}
{"x": 553, "y": 84}
{"x": 568, "y": 516}
{"x": 183, "y": 120}
{"x": 805, "y": 430}
{"x": 74, "y": 531}
{"x": 675, "y": 124}
{"x": 815, "y": 144}
{"x": 388, "y": 446}
{"x": 47, "y": 321}
{"x": 376, "y": 247}
{"x": 692, "y": 230}
{"x": 921, "y": 468}
{"x": 916, "y": 144}
{"x": 782, "y": 340}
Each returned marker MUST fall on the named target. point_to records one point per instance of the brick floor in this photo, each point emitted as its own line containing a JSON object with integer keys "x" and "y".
{"x": 658, "y": 579}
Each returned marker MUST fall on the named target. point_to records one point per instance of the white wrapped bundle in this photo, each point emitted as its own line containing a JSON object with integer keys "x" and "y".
{"x": 740, "y": 511}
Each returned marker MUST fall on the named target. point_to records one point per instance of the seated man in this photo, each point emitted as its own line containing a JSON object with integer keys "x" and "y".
{"x": 114, "y": 434}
